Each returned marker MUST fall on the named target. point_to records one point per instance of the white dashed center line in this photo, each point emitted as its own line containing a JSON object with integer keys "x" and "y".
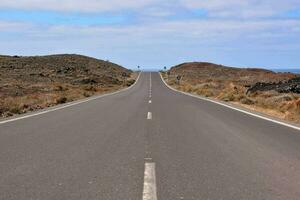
{"x": 150, "y": 81}
{"x": 149, "y": 115}
{"x": 149, "y": 190}
{"x": 150, "y": 88}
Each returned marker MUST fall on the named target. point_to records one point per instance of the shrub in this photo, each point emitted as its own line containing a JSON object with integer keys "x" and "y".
{"x": 61, "y": 100}
{"x": 86, "y": 94}
{"x": 247, "y": 101}
{"x": 186, "y": 87}
{"x": 130, "y": 82}
{"x": 228, "y": 97}
{"x": 298, "y": 106}
{"x": 90, "y": 88}
{"x": 205, "y": 92}
{"x": 15, "y": 110}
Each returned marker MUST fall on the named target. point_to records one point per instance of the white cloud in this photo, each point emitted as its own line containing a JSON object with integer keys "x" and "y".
{"x": 76, "y": 5}
{"x": 163, "y": 42}
{"x": 215, "y": 8}
{"x": 242, "y": 8}
{"x": 9, "y": 26}
{"x": 201, "y": 31}
{"x": 153, "y": 35}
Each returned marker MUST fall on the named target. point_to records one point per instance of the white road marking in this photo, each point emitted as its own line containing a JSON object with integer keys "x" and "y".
{"x": 150, "y": 86}
{"x": 150, "y": 101}
{"x": 149, "y": 190}
{"x": 150, "y": 81}
{"x": 68, "y": 104}
{"x": 149, "y": 115}
{"x": 233, "y": 108}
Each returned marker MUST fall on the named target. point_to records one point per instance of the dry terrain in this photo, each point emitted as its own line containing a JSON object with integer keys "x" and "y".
{"x": 276, "y": 94}
{"x": 30, "y": 83}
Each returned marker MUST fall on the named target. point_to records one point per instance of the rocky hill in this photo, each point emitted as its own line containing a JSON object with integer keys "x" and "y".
{"x": 29, "y": 83}
{"x": 73, "y": 69}
{"x": 259, "y": 89}
{"x": 204, "y": 70}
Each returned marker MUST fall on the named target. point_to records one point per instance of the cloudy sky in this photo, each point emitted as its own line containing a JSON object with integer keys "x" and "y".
{"x": 156, "y": 33}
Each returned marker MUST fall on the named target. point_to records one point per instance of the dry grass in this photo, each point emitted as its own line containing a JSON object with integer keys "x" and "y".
{"x": 36, "y": 82}
{"x": 25, "y": 98}
{"x": 284, "y": 106}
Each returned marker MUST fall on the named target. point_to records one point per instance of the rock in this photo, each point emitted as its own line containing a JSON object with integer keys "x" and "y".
{"x": 61, "y": 100}
{"x": 88, "y": 81}
{"x": 283, "y": 98}
{"x": 247, "y": 101}
{"x": 290, "y": 86}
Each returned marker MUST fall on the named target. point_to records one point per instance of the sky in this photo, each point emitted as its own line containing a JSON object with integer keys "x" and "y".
{"x": 156, "y": 33}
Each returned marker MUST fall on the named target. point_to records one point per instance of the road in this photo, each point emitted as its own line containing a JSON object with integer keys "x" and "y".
{"x": 148, "y": 142}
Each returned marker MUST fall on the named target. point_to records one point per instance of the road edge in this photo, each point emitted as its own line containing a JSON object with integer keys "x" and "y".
{"x": 232, "y": 107}
{"x": 59, "y": 107}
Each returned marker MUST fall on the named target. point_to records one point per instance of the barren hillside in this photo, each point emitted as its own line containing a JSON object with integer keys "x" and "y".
{"x": 198, "y": 71}
{"x": 262, "y": 90}
{"x": 29, "y": 83}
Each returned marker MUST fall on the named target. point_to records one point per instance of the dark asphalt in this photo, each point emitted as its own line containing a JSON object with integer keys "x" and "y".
{"x": 97, "y": 150}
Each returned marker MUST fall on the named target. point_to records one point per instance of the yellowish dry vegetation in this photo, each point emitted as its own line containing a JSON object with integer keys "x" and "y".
{"x": 34, "y": 82}
{"x": 284, "y": 106}
{"x": 45, "y": 95}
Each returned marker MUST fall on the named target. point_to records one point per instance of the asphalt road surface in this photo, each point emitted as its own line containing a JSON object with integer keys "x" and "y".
{"x": 150, "y": 143}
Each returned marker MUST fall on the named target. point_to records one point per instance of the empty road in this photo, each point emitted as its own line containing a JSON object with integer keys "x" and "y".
{"x": 148, "y": 142}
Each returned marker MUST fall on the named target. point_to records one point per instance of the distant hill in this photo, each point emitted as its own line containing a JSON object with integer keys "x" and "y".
{"x": 73, "y": 69}
{"x": 204, "y": 70}
{"x": 276, "y": 94}
{"x": 35, "y": 82}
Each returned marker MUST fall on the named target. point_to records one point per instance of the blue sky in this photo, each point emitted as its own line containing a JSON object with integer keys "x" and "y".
{"x": 156, "y": 33}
